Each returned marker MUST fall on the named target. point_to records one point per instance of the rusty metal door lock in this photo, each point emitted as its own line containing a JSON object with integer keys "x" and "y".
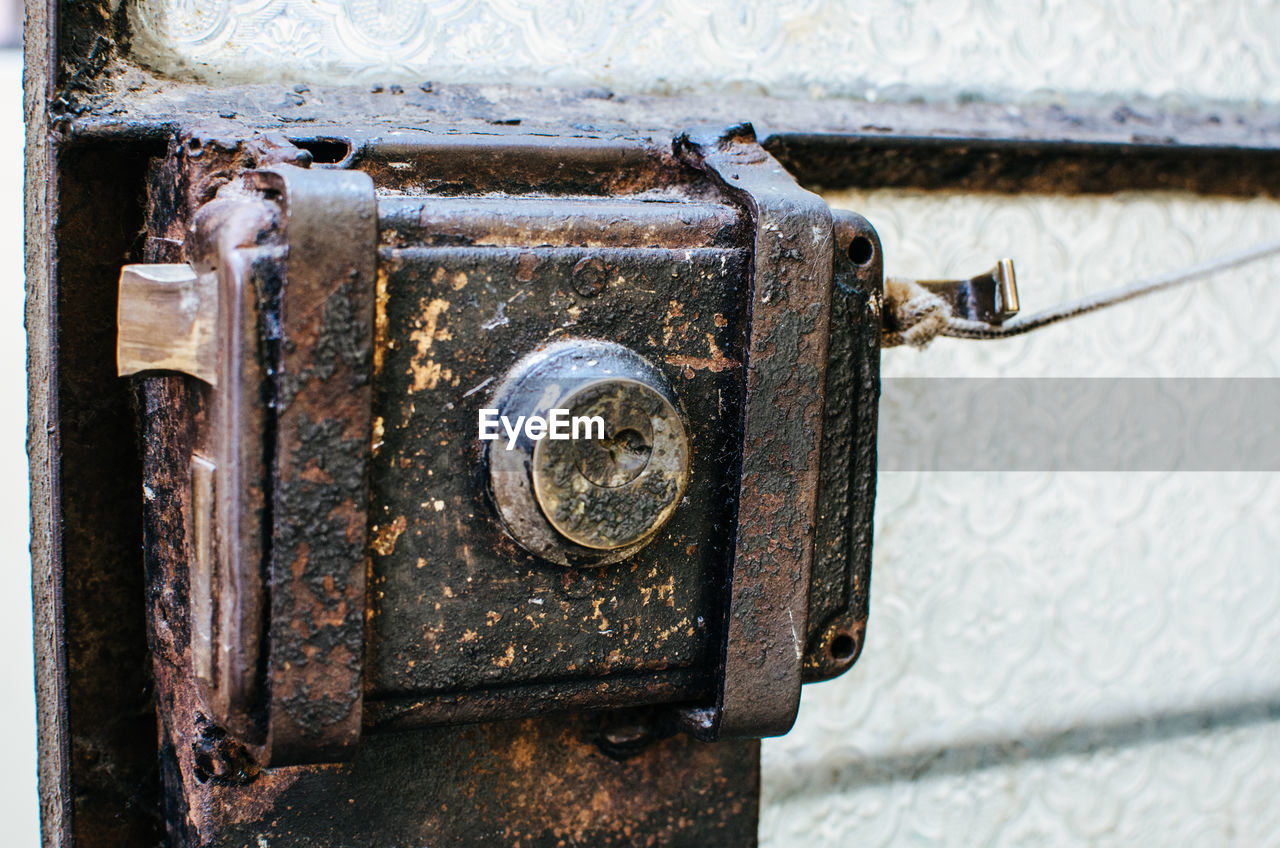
{"x": 494, "y": 425}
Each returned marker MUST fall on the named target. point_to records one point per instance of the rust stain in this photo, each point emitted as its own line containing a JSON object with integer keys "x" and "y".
{"x": 428, "y": 375}
{"x": 384, "y": 537}
{"x": 299, "y": 564}
{"x": 561, "y": 792}
{"x": 715, "y": 363}
{"x": 252, "y": 806}
{"x": 662, "y": 591}
{"x": 315, "y": 474}
{"x": 426, "y": 372}
{"x": 669, "y": 329}
{"x": 525, "y": 266}
{"x": 667, "y": 632}
{"x": 596, "y": 613}
{"x": 381, "y": 297}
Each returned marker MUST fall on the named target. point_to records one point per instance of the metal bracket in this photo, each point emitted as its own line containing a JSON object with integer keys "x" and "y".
{"x": 280, "y": 487}
{"x": 790, "y": 297}
{"x": 323, "y": 433}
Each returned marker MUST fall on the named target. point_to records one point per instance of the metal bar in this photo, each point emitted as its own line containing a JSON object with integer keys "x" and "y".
{"x": 167, "y": 317}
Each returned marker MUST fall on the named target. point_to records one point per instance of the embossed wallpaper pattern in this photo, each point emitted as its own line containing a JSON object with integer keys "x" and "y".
{"x": 1223, "y": 49}
{"x": 1061, "y": 658}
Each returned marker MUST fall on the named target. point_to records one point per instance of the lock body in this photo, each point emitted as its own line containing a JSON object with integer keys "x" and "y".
{"x": 365, "y": 561}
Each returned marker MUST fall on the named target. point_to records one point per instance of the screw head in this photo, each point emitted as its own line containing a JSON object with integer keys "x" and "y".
{"x": 589, "y": 276}
{"x": 600, "y": 495}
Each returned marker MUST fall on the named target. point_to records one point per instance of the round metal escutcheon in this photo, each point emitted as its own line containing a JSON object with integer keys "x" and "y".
{"x": 599, "y": 494}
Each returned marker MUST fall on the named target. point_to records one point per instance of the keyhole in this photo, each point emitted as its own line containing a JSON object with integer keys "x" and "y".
{"x": 615, "y": 460}
{"x": 629, "y": 451}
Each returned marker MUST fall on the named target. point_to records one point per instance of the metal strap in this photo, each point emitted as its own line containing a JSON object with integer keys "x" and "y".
{"x": 318, "y": 562}
{"x": 764, "y": 634}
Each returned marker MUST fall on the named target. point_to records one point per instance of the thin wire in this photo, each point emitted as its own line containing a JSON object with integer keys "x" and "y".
{"x": 962, "y": 328}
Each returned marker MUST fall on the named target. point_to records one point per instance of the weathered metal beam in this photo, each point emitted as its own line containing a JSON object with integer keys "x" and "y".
{"x": 1051, "y": 147}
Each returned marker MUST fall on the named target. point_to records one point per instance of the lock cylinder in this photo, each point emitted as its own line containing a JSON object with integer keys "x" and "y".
{"x": 588, "y": 454}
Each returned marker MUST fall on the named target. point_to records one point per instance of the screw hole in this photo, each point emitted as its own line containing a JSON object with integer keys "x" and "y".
{"x": 843, "y": 647}
{"x": 325, "y": 151}
{"x": 861, "y": 250}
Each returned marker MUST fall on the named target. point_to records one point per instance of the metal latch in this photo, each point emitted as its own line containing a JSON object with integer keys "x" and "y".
{"x": 991, "y": 298}
{"x": 363, "y": 556}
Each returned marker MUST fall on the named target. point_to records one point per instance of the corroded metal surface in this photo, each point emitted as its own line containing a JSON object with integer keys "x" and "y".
{"x": 278, "y": 652}
{"x": 541, "y": 783}
{"x": 534, "y": 783}
{"x": 221, "y": 792}
{"x": 1103, "y": 146}
{"x": 840, "y": 582}
{"x": 766, "y": 617}
{"x": 464, "y": 623}
{"x": 227, "y": 591}
{"x": 322, "y": 430}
